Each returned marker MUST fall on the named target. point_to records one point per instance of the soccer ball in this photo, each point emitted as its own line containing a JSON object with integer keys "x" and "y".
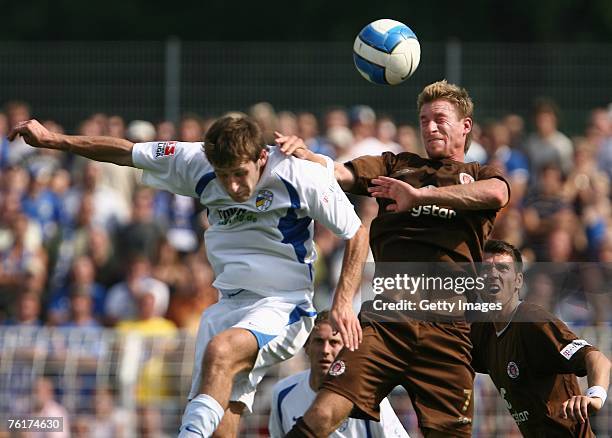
{"x": 386, "y": 52}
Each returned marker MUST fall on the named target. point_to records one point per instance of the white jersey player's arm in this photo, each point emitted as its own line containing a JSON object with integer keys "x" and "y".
{"x": 274, "y": 422}
{"x": 179, "y": 167}
{"x": 389, "y": 426}
{"x": 98, "y": 148}
{"x": 329, "y": 205}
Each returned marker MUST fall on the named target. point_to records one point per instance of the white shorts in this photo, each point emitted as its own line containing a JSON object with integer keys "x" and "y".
{"x": 280, "y": 324}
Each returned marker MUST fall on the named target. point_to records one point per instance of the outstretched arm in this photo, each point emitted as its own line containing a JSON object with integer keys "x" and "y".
{"x": 598, "y": 376}
{"x": 479, "y": 195}
{"x": 98, "y": 148}
{"x": 293, "y": 145}
{"x": 342, "y": 314}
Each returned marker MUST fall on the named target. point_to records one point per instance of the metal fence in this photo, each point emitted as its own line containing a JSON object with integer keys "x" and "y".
{"x": 155, "y": 80}
{"x": 110, "y": 382}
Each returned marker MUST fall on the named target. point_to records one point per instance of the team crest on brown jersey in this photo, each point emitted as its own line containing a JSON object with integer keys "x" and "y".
{"x": 337, "y": 368}
{"x": 465, "y": 178}
{"x": 513, "y": 370}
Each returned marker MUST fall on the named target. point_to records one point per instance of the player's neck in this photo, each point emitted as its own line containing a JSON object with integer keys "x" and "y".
{"x": 504, "y": 316}
{"x": 314, "y": 380}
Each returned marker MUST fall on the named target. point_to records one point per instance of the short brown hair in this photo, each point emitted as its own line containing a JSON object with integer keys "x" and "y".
{"x": 493, "y": 246}
{"x": 454, "y": 94}
{"x": 232, "y": 140}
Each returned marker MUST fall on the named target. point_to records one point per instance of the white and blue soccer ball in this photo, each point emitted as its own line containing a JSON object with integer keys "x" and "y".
{"x": 386, "y": 52}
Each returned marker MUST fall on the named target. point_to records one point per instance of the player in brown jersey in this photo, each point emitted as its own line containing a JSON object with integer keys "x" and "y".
{"x": 533, "y": 358}
{"x": 430, "y": 210}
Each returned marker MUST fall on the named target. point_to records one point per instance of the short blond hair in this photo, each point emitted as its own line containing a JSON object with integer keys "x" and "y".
{"x": 457, "y": 96}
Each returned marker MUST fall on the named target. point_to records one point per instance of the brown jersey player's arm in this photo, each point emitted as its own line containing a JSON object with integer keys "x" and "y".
{"x": 579, "y": 407}
{"x": 480, "y": 195}
{"x": 98, "y": 148}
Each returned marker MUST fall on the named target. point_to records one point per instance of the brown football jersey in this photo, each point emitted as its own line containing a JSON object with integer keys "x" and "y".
{"x": 533, "y": 362}
{"x": 429, "y": 232}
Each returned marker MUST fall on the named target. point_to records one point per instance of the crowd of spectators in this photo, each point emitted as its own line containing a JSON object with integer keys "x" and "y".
{"x": 84, "y": 245}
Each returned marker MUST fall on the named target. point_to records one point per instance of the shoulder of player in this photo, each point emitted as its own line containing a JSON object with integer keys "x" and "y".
{"x": 533, "y": 317}
{"x": 295, "y": 170}
{"x": 289, "y": 381}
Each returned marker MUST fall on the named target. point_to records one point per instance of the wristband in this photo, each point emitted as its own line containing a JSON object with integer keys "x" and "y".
{"x": 597, "y": 391}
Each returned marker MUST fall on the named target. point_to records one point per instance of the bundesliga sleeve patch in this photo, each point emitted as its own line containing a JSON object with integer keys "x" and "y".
{"x": 165, "y": 149}
{"x": 571, "y": 348}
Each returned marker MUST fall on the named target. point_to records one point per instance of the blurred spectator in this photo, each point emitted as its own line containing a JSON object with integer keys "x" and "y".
{"x": 190, "y": 128}
{"x": 102, "y": 253}
{"x": 42, "y": 205}
{"x": 45, "y": 405}
{"x": 147, "y": 322}
{"x": 150, "y": 424}
{"x": 543, "y": 206}
{"x": 122, "y": 299}
{"x": 193, "y": 295}
{"x": 142, "y": 234}
{"x": 264, "y": 114}
{"x": 308, "y": 130}
{"x": 547, "y": 146}
{"x": 166, "y": 131}
{"x": 18, "y": 150}
{"x": 516, "y": 128}
{"x": 110, "y": 208}
{"x": 81, "y": 309}
{"x": 109, "y": 421}
{"x": 341, "y": 139}
{"x": 4, "y": 143}
{"x": 28, "y": 311}
{"x": 386, "y": 132}
{"x": 140, "y": 131}
{"x": 287, "y": 123}
{"x": 363, "y": 125}
{"x": 408, "y": 139}
{"x": 336, "y": 117}
{"x": 514, "y": 164}
{"x": 21, "y": 268}
{"x": 604, "y": 154}
{"x": 81, "y": 282}
{"x": 116, "y": 126}
{"x": 169, "y": 267}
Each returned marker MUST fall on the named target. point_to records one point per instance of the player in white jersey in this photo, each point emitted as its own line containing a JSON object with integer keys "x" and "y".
{"x": 293, "y": 395}
{"x": 261, "y": 205}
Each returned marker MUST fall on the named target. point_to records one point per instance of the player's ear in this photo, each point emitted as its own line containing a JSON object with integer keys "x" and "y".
{"x": 519, "y": 281}
{"x": 467, "y": 125}
{"x": 263, "y": 157}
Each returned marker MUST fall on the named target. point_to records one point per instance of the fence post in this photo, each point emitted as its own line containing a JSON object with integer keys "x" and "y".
{"x": 453, "y": 61}
{"x": 172, "y": 87}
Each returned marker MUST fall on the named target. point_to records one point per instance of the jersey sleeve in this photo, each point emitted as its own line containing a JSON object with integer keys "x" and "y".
{"x": 489, "y": 172}
{"x": 275, "y": 427}
{"x": 389, "y": 426}
{"x": 173, "y": 166}
{"x": 366, "y": 168}
{"x": 327, "y": 203}
{"x": 557, "y": 348}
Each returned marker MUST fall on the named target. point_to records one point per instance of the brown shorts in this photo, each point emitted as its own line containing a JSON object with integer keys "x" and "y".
{"x": 430, "y": 360}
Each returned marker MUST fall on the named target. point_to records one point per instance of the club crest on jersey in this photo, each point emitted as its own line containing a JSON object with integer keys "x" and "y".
{"x": 337, "y": 368}
{"x": 465, "y": 178}
{"x": 343, "y": 426}
{"x": 513, "y": 370}
{"x": 264, "y": 200}
{"x": 165, "y": 149}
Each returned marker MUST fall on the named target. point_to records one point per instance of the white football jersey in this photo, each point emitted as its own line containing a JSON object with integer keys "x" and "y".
{"x": 293, "y": 395}
{"x": 265, "y": 243}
